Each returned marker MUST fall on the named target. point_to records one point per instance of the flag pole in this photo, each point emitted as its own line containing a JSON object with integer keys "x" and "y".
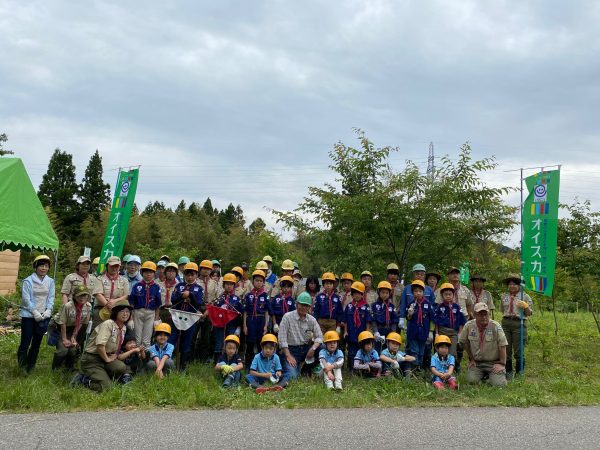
{"x": 521, "y": 287}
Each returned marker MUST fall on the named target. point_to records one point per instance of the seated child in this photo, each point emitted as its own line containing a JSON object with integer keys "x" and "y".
{"x": 442, "y": 364}
{"x": 332, "y": 361}
{"x": 366, "y": 361}
{"x": 133, "y": 356}
{"x": 161, "y": 352}
{"x": 266, "y": 366}
{"x": 230, "y": 363}
{"x": 394, "y": 361}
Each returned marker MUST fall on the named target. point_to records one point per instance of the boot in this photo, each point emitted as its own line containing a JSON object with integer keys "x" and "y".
{"x": 126, "y": 378}
{"x": 509, "y": 366}
{"x": 57, "y": 361}
{"x": 518, "y": 363}
{"x": 439, "y": 385}
{"x": 452, "y": 383}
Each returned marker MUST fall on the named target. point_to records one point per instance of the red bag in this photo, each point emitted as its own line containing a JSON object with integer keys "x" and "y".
{"x": 220, "y": 317}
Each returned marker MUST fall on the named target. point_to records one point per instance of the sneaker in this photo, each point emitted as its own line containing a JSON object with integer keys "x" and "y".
{"x": 277, "y": 388}
{"x": 77, "y": 380}
{"x": 338, "y": 386}
{"x": 126, "y": 378}
{"x": 262, "y": 390}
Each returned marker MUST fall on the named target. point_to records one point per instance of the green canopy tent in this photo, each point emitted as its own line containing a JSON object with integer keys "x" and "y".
{"x": 23, "y": 221}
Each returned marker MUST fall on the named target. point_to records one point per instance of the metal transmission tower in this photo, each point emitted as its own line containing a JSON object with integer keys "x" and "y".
{"x": 431, "y": 162}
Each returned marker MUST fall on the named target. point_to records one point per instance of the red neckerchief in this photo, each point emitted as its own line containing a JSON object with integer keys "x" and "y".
{"x": 187, "y": 289}
{"x": 511, "y": 307}
{"x": 449, "y": 305}
{"x": 456, "y": 289}
{"x": 256, "y": 294}
{"x": 346, "y": 294}
{"x": 169, "y": 285}
{"x": 387, "y": 311}
{"x": 205, "y": 285}
{"x": 481, "y": 336}
{"x": 285, "y": 305}
{"x": 121, "y": 337}
{"x": 112, "y": 283}
{"x": 330, "y": 302}
{"x": 85, "y": 278}
{"x": 477, "y": 296}
{"x": 420, "y": 311}
{"x": 357, "y": 307}
{"x": 162, "y": 278}
{"x": 147, "y": 288}
{"x": 78, "y": 314}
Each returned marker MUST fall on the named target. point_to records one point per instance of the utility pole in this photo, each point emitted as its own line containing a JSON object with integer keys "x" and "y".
{"x": 431, "y": 163}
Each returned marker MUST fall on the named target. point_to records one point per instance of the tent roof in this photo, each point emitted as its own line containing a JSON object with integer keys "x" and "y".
{"x": 23, "y": 221}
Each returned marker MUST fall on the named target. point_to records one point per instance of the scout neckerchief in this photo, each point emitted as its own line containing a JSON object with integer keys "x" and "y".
{"x": 85, "y": 278}
{"x": 477, "y": 295}
{"x": 256, "y": 293}
{"x": 226, "y": 297}
{"x": 449, "y": 305}
{"x": 121, "y": 337}
{"x": 147, "y": 290}
{"x": 387, "y": 311}
{"x": 169, "y": 286}
{"x": 205, "y": 282}
{"x": 112, "y": 283}
{"x": 511, "y": 305}
{"x": 420, "y": 311}
{"x": 346, "y": 294}
{"x": 329, "y": 302}
{"x": 78, "y": 314}
{"x": 357, "y": 307}
{"x": 481, "y": 336}
{"x": 285, "y": 305}
{"x": 456, "y": 289}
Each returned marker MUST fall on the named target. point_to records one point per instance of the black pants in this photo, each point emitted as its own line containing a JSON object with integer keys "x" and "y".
{"x": 32, "y": 333}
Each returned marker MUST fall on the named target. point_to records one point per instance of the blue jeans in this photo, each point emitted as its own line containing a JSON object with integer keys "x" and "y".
{"x": 299, "y": 353}
{"x": 186, "y": 341}
{"x": 416, "y": 349}
{"x": 32, "y": 333}
{"x": 220, "y": 334}
{"x": 233, "y": 379}
{"x": 253, "y": 381}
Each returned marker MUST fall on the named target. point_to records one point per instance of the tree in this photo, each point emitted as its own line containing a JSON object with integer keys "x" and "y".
{"x": 181, "y": 207}
{"x": 154, "y": 208}
{"x": 3, "y": 151}
{"x": 378, "y": 215}
{"x": 208, "y": 208}
{"x": 59, "y": 191}
{"x": 257, "y": 226}
{"x": 94, "y": 192}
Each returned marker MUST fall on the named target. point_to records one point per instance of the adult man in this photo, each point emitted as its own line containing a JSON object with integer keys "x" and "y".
{"x": 109, "y": 289}
{"x": 299, "y": 336}
{"x": 479, "y": 294}
{"x": 418, "y": 273}
{"x": 485, "y": 343}
{"x": 462, "y": 295}
{"x": 393, "y": 277}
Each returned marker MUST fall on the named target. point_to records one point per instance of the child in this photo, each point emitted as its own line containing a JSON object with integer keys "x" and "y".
{"x": 394, "y": 362}
{"x": 442, "y": 364}
{"x": 419, "y": 313}
{"x": 133, "y": 356}
{"x": 356, "y": 319}
{"x": 230, "y": 363}
{"x": 332, "y": 361}
{"x": 227, "y": 300}
{"x": 282, "y": 302}
{"x": 145, "y": 297}
{"x": 161, "y": 353}
{"x": 366, "y": 361}
{"x": 266, "y": 366}
{"x": 346, "y": 285}
{"x": 448, "y": 317}
{"x": 188, "y": 296}
{"x": 384, "y": 314}
{"x": 167, "y": 288}
{"x": 72, "y": 319}
{"x": 328, "y": 305}
{"x": 256, "y": 314}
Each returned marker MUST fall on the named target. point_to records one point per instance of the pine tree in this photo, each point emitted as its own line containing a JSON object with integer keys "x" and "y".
{"x": 208, "y": 208}
{"x": 181, "y": 207}
{"x": 257, "y": 226}
{"x": 94, "y": 192}
{"x": 59, "y": 191}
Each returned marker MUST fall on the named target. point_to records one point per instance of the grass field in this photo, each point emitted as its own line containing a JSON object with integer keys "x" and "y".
{"x": 561, "y": 370}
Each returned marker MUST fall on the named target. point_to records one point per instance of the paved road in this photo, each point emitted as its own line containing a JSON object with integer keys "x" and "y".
{"x": 507, "y": 428}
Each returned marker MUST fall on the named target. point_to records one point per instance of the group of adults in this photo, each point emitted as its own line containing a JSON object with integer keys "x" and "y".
{"x": 98, "y": 299}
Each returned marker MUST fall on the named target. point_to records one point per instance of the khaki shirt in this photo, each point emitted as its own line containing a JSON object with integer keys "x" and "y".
{"x": 73, "y": 280}
{"x": 103, "y": 286}
{"x": 505, "y": 305}
{"x": 210, "y": 289}
{"x": 485, "y": 349}
{"x": 107, "y": 334}
{"x": 242, "y": 288}
{"x": 346, "y": 297}
{"x": 371, "y": 296}
{"x": 397, "y": 294}
{"x": 463, "y": 297}
{"x": 68, "y": 313}
{"x": 164, "y": 291}
{"x": 484, "y": 297}
{"x": 276, "y": 289}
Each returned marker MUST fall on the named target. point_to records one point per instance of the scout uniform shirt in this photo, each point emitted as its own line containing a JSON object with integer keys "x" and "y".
{"x": 209, "y": 286}
{"x": 145, "y": 296}
{"x": 384, "y": 314}
{"x": 484, "y": 296}
{"x": 274, "y": 289}
{"x": 508, "y": 305}
{"x": 328, "y": 307}
{"x": 418, "y": 324}
{"x": 346, "y": 297}
{"x": 397, "y": 290}
{"x": 107, "y": 334}
{"x": 232, "y": 303}
{"x": 73, "y": 280}
{"x": 71, "y": 315}
{"x": 484, "y": 346}
{"x": 449, "y": 315}
{"x": 111, "y": 289}
{"x": 279, "y": 305}
{"x": 408, "y": 297}
{"x": 370, "y": 296}
{"x": 242, "y": 287}
{"x": 462, "y": 296}
{"x": 195, "y": 302}
{"x": 166, "y": 291}
{"x": 356, "y": 317}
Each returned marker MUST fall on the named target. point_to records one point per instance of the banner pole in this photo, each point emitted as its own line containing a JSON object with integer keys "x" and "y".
{"x": 521, "y": 287}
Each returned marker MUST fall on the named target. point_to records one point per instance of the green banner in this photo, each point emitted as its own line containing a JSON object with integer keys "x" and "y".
{"x": 118, "y": 221}
{"x": 540, "y": 225}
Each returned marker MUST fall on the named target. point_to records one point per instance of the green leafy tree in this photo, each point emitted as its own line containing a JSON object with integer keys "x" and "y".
{"x": 59, "y": 191}
{"x": 3, "y": 151}
{"x": 94, "y": 192}
{"x": 257, "y": 226}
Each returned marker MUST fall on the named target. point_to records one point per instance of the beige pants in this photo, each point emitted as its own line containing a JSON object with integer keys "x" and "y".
{"x": 143, "y": 322}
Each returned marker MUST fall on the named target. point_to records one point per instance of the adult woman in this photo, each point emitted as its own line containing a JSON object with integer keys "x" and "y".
{"x": 37, "y": 301}
{"x": 312, "y": 288}
{"x": 167, "y": 287}
{"x": 81, "y": 276}
{"x": 511, "y": 306}
{"x": 109, "y": 288}
{"x": 100, "y": 363}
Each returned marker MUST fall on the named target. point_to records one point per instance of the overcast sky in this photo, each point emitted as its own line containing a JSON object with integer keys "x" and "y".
{"x": 241, "y": 101}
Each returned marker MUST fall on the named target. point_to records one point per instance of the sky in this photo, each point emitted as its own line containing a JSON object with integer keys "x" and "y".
{"x": 241, "y": 101}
